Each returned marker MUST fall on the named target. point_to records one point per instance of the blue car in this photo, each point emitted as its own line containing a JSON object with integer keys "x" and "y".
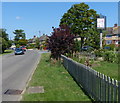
{"x": 86, "y": 48}
{"x": 19, "y": 51}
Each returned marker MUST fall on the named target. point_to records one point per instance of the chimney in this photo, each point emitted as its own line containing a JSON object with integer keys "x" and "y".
{"x": 115, "y": 25}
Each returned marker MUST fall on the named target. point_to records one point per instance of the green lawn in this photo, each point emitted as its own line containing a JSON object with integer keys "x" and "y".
{"x": 104, "y": 67}
{"x": 109, "y": 69}
{"x": 7, "y": 52}
{"x": 57, "y": 82}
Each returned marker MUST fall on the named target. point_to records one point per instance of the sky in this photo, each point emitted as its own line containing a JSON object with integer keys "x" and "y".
{"x": 36, "y": 18}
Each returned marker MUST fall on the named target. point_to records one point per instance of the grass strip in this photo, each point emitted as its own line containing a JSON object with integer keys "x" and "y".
{"x": 104, "y": 67}
{"x": 57, "y": 83}
{"x": 109, "y": 69}
{"x": 7, "y": 52}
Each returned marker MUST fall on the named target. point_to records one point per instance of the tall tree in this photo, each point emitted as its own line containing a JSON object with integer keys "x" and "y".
{"x": 37, "y": 43}
{"x": 19, "y": 34}
{"x": 82, "y": 22}
{"x": 23, "y": 42}
{"x": 3, "y": 34}
{"x": 4, "y": 40}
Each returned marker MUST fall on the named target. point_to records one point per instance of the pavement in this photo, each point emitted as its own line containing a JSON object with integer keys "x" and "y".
{"x": 16, "y": 72}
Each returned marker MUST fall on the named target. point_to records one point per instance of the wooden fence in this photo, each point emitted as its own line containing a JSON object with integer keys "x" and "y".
{"x": 98, "y": 86}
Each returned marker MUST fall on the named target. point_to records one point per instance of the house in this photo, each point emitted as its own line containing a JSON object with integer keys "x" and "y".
{"x": 43, "y": 39}
{"x": 13, "y": 46}
{"x": 32, "y": 41}
{"x": 113, "y": 35}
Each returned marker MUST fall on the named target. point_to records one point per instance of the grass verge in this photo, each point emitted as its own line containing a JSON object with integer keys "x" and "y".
{"x": 104, "y": 67}
{"x": 109, "y": 69}
{"x": 7, "y": 52}
{"x": 57, "y": 83}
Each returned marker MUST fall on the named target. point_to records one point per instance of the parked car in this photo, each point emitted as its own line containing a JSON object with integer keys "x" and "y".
{"x": 23, "y": 47}
{"x": 106, "y": 47}
{"x": 86, "y": 48}
{"x": 19, "y": 51}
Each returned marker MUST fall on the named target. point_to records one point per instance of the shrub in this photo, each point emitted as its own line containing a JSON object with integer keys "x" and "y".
{"x": 30, "y": 46}
{"x": 60, "y": 42}
{"x": 117, "y": 48}
{"x": 17, "y": 46}
{"x": 100, "y": 52}
{"x": 111, "y": 56}
{"x": 112, "y": 46}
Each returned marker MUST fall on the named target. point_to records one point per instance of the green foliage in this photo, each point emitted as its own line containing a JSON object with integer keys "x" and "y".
{"x": 4, "y": 40}
{"x": 19, "y": 34}
{"x": 112, "y": 46}
{"x": 30, "y": 46}
{"x": 22, "y": 42}
{"x": 3, "y": 34}
{"x": 77, "y": 45}
{"x": 17, "y": 45}
{"x": 111, "y": 56}
{"x": 0, "y": 45}
{"x": 82, "y": 60}
{"x": 99, "y": 52}
{"x": 4, "y": 45}
{"x": 82, "y": 22}
{"x": 37, "y": 43}
{"x": 117, "y": 48}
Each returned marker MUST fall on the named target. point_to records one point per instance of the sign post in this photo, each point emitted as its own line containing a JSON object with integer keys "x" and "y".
{"x": 101, "y": 24}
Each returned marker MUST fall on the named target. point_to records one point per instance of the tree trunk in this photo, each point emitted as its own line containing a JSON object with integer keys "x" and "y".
{"x": 82, "y": 41}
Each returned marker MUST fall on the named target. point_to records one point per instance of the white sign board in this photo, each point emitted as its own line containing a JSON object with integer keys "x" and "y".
{"x": 100, "y": 23}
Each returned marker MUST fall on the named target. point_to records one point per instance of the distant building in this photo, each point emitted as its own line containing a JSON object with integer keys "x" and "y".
{"x": 113, "y": 35}
{"x": 43, "y": 39}
{"x": 32, "y": 41}
{"x": 13, "y": 46}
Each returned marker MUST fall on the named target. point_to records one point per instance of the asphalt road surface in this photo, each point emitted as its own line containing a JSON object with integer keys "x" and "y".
{"x": 16, "y": 70}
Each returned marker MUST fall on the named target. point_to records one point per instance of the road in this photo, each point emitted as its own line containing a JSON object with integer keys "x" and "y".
{"x": 16, "y": 70}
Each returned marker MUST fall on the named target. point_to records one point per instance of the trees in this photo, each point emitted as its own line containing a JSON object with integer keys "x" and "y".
{"x": 19, "y": 34}
{"x": 4, "y": 40}
{"x": 20, "y": 38}
{"x": 37, "y": 43}
{"x": 22, "y": 42}
{"x": 60, "y": 42}
{"x": 82, "y": 23}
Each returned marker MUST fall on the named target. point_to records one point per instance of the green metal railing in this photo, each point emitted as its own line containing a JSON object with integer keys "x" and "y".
{"x": 98, "y": 86}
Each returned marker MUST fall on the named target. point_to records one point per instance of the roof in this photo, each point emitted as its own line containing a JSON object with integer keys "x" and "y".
{"x": 109, "y": 30}
{"x": 116, "y": 30}
{"x": 43, "y": 38}
{"x": 113, "y": 30}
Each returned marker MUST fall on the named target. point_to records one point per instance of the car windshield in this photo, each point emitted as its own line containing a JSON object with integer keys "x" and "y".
{"x": 18, "y": 49}
{"x": 23, "y": 47}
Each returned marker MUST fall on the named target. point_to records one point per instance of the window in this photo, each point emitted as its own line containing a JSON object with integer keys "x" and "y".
{"x": 108, "y": 41}
{"x": 116, "y": 42}
{"x": 108, "y": 35}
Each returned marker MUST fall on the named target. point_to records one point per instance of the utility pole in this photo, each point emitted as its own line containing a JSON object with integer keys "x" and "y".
{"x": 101, "y": 39}
{"x": 39, "y": 33}
{"x": 101, "y": 24}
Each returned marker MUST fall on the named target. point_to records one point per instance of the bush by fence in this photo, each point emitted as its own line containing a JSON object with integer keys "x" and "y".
{"x": 98, "y": 86}
{"x": 110, "y": 56}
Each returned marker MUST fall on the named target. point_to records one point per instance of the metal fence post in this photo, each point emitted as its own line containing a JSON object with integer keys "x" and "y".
{"x": 98, "y": 86}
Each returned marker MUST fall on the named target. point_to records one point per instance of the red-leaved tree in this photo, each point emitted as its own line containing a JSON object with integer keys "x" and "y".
{"x": 61, "y": 42}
